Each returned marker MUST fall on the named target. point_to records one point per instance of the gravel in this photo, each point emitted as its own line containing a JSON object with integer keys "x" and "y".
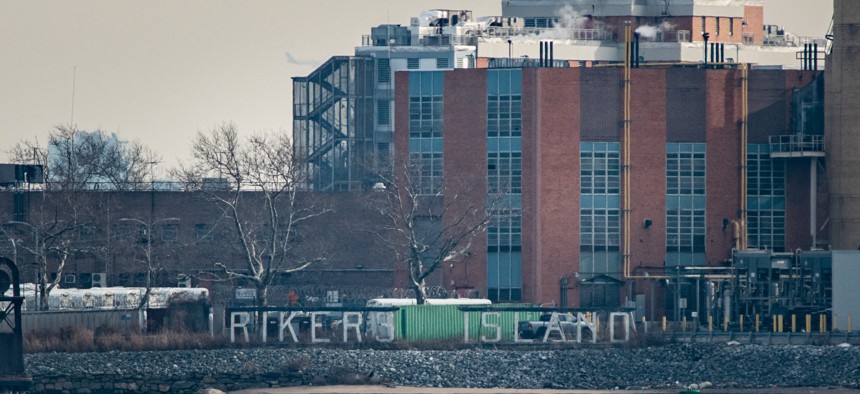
{"x": 582, "y": 367}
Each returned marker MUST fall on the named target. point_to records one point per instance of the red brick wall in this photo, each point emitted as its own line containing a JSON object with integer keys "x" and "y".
{"x": 552, "y": 197}
{"x": 465, "y": 163}
{"x": 648, "y": 170}
{"x": 723, "y": 116}
{"x": 754, "y": 17}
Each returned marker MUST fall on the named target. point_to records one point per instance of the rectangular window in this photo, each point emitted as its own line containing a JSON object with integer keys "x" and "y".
{"x": 504, "y": 256}
{"x": 600, "y": 209}
{"x": 383, "y": 71}
{"x": 426, "y": 91}
{"x": 204, "y": 232}
{"x": 765, "y": 199}
{"x": 717, "y": 28}
{"x": 383, "y": 112}
{"x": 441, "y": 62}
{"x": 504, "y": 179}
{"x": 731, "y": 27}
{"x": 170, "y": 232}
{"x": 703, "y": 24}
{"x": 412, "y": 63}
{"x": 685, "y": 204}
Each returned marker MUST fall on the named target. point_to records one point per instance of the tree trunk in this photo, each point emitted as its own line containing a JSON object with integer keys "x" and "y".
{"x": 420, "y": 292}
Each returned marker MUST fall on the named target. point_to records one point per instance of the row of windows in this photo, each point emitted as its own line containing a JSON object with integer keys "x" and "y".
{"x": 766, "y": 199}
{"x": 718, "y": 25}
{"x": 685, "y": 203}
{"x": 425, "y": 170}
{"x": 504, "y": 172}
{"x": 425, "y": 117}
{"x": 504, "y": 116}
{"x": 136, "y": 232}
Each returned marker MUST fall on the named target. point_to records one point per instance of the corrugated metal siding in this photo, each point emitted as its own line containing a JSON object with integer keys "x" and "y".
{"x": 446, "y": 322}
{"x": 767, "y": 105}
{"x": 686, "y": 105}
{"x": 600, "y": 102}
{"x": 122, "y": 320}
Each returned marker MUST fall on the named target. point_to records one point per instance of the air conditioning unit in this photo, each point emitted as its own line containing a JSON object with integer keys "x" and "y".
{"x": 183, "y": 281}
{"x": 99, "y": 279}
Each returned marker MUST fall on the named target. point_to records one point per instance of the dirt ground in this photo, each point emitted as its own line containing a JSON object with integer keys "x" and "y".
{"x": 431, "y": 390}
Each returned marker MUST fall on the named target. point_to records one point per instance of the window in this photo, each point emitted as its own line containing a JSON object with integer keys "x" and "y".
{"x": 504, "y": 178}
{"x": 425, "y": 171}
{"x": 412, "y": 63}
{"x": 504, "y": 256}
{"x": 87, "y": 233}
{"x": 426, "y": 91}
{"x": 600, "y": 209}
{"x": 504, "y": 104}
{"x": 504, "y": 172}
{"x": 383, "y": 112}
{"x": 765, "y": 199}
{"x": 204, "y": 232}
{"x": 170, "y": 232}
{"x": 703, "y": 24}
{"x": 441, "y": 62}
{"x": 731, "y": 27}
{"x": 685, "y": 204}
{"x": 717, "y": 28}
{"x": 383, "y": 71}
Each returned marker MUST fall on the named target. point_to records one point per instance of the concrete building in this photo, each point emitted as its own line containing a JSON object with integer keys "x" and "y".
{"x": 614, "y": 191}
{"x": 842, "y": 120}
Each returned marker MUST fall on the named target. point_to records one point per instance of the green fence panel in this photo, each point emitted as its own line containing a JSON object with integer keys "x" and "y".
{"x": 446, "y": 322}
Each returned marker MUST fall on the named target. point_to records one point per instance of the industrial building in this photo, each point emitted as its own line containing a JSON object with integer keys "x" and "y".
{"x": 618, "y": 177}
{"x": 343, "y": 112}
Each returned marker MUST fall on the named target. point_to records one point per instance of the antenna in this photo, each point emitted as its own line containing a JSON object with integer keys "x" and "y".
{"x": 74, "y": 77}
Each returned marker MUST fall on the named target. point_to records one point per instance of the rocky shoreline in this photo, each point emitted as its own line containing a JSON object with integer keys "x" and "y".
{"x": 581, "y": 367}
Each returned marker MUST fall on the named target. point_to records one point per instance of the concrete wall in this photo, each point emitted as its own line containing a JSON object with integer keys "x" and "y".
{"x": 842, "y": 95}
{"x": 846, "y": 275}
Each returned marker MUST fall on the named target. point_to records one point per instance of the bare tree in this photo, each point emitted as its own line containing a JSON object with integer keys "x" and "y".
{"x": 80, "y": 160}
{"x": 51, "y": 233}
{"x": 254, "y": 184}
{"x": 428, "y": 222}
{"x": 150, "y": 243}
{"x": 74, "y": 162}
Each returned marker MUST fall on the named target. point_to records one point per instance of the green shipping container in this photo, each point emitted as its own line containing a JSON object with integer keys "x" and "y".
{"x": 447, "y": 323}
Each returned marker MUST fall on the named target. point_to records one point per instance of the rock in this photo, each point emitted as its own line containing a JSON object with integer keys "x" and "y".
{"x": 209, "y": 391}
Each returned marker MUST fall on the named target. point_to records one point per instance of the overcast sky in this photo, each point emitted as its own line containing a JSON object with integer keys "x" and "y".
{"x": 158, "y": 71}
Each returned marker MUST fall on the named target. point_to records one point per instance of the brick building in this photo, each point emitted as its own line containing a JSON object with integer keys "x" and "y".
{"x": 551, "y": 140}
{"x": 187, "y": 235}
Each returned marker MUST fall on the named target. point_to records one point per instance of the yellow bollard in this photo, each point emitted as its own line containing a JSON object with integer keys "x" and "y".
{"x": 822, "y": 323}
{"x": 742, "y": 322}
{"x": 726, "y": 326}
{"x": 779, "y": 319}
{"x": 710, "y": 323}
{"x": 808, "y": 323}
{"x": 774, "y": 323}
{"x": 684, "y": 323}
{"x": 793, "y": 322}
{"x": 757, "y": 322}
{"x": 664, "y": 323}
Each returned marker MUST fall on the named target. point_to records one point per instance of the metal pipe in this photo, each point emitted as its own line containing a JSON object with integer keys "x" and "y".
{"x": 815, "y": 57}
{"x": 744, "y": 130}
{"x": 625, "y": 158}
{"x": 813, "y": 198}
